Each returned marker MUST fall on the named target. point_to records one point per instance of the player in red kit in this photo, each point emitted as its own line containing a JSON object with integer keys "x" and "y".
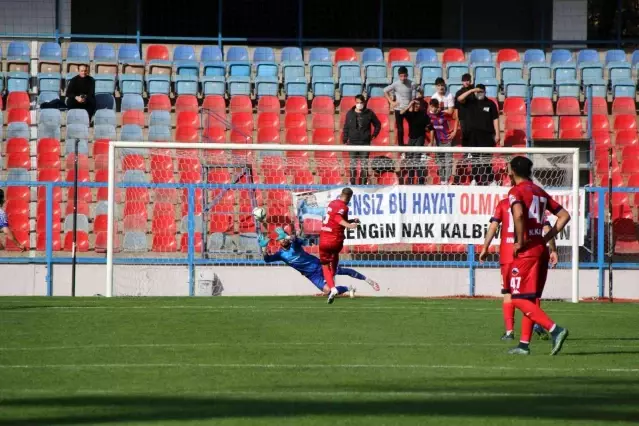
{"x": 503, "y": 216}
{"x": 528, "y": 203}
{"x": 332, "y": 237}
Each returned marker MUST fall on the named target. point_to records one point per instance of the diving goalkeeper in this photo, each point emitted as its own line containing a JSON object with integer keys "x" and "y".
{"x": 292, "y": 253}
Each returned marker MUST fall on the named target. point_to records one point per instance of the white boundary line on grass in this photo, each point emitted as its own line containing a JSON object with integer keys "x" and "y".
{"x": 315, "y": 366}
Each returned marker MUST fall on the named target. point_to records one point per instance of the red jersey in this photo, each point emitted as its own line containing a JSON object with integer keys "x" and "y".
{"x": 503, "y": 216}
{"x": 535, "y": 201}
{"x": 331, "y": 228}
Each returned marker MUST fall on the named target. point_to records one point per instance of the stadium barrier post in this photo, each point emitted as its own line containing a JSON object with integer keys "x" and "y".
{"x": 49, "y": 237}
{"x": 191, "y": 237}
{"x": 601, "y": 253}
{"x": 574, "y": 233}
{"x": 110, "y": 224}
{"x": 74, "y": 247}
{"x": 611, "y": 246}
{"x": 471, "y": 270}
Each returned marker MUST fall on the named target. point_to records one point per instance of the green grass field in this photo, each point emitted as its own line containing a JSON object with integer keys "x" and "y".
{"x": 298, "y": 361}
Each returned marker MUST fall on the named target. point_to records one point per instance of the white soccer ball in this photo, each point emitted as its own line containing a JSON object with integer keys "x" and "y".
{"x": 259, "y": 213}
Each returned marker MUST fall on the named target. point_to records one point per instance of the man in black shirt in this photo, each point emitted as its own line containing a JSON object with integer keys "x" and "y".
{"x": 482, "y": 124}
{"x": 80, "y": 91}
{"x": 418, "y": 122}
{"x": 357, "y": 131}
{"x": 461, "y": 108}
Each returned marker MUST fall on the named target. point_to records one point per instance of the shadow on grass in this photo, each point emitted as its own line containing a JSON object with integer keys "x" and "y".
{"x": 469, "y": 400}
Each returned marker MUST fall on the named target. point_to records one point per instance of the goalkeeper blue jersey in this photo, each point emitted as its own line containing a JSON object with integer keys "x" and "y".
{"x": 295, "y": 257}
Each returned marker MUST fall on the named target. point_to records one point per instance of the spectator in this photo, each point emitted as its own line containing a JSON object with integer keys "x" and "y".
{"x": 403, "y": 89}
{"x": 482, "y": 123}
{"x": 446, "y": 101}
{"x": 357, "y": 131}
{"x": 4, "y": 224}
{"x": 418, "y": 122}
{"x": 80, "y": 93}
{"x": 467, "y": 85}
{"x": 442, "y": 137}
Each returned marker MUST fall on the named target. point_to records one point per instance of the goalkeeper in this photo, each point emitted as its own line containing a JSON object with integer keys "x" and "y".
{"x": 292, "y": 253}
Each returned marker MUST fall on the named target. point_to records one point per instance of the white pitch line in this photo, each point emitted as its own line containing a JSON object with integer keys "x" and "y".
{"x": 316, "y": 366}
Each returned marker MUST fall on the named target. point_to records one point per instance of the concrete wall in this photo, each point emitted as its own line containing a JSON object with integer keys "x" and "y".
{"x": 280, "y": 281}
{"x": 34, "y": 16}
{"x": 570, "y": 20}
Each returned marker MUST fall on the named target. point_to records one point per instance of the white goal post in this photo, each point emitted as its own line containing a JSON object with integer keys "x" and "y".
{"x": 569, "y": 164}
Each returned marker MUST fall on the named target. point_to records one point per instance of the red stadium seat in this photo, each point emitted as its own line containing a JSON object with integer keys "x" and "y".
{"x": 19, "y": 115}
{"x": 507, "y": 55}
{"x": 239, "y": 136}
{"x": 214, "y": 135}
{"x": 454, "y": 248}
{"x": 189, "y": 164}
{"x": 570, "y": 123}
{"x": 215, "y": 103}
{"x": 18, "y": 193}
{"x": 84, "y": 194}
{"x": 295, "y": 121}
{"x": 303, "y": 177}
{"x": 630, "y": 166}
{"x": 515, "y": 138}
{"x": 135, "y": 215}
{"x": 543, "y": 133}
{"x": 157, "y": 52}
{"x": 268, "y": 103}
{"x": 388, "y": 178}
{"x": 515, "y": 106}
{"x": 323, "y": 137}
{"x": 186, "y": 103}
{"x": 453, "y": 55}
{"x": 626, "y": 137}
{"x": 398, "y": 55}
{"x": 347, "y": 103}
{"x": 571, "y": 133}
{"x": 83, "y": 208}
{"x": 82, "y": 241}
{"x": 599, "y": 106}
{"x": 220, "y": 222}
{"x": 600, "y": 122}
{"x": 424, "y": 248}
{"x": 100, "y": 147}
{"x": 163, "y": 223}
{"x": 240, "y": 103}
{"x": 164, "y": 243}
{"x": 133, "y": 117}
{"x": 197, "y": 242}
{"x": 541, "y": 106}
{"x": 630, "y": 152}
{"x": 322, "y": 121}
{"x": 186, "y": 134}
{"x": 17, "y": 146}
{"x": 296, "y": 104}
{"x": 188, "y": 119}
{"x": 378, "y": 105}
{"x": 46, "y": 145}
{"x": 20, "y": 228}
{"x": 601, "y": 138}
{"x": 323, "y": 105}
{"x": 345, "y": 54}
{"x": 268, "y": 120}
{"x": 385, "y": 122}
{"x": 515, "y": 122}
{"x": 268, "y": 135}
{"x": 624, "y": 105}
{"x": 625, "y": 233}
{"x": 49, "y": 160}
{"x": 544, "y": 122}
{"x": 19, "y": 161}
{"x": 19, "y": 100}
{"x": 159, "y": 102}
{"x": 49, "y": 175}
{"x": 83, "y": 161}
{"x": 243, "y": 120}
{"x": 296, "y": 136}
{"x": 365, "y": 249}
{"x": 625, "y": 122}
{"x": 568, "y": 106}
{"x": 133, "y": 162}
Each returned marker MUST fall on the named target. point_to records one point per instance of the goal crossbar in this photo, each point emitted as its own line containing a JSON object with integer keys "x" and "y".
{"x": 572, "y": 152}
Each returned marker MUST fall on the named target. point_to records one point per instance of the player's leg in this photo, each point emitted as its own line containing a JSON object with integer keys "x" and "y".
{"x": 354, "y": 274}
{"x": 508, "y": 309}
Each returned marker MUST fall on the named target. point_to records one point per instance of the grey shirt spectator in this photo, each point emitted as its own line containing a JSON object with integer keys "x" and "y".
{"x": 404, "y": 92}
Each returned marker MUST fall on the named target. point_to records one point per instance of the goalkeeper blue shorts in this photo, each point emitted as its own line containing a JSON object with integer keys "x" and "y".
{"x": 317, "y": 278}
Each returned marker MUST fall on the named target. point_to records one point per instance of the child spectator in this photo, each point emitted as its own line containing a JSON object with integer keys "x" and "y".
{"x": 442, "y": 137}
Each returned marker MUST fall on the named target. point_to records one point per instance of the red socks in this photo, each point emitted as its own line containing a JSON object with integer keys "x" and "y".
{"x": 509, "y": 316}
{"x": 328, "y": 275}
{"x": 532, "y": 314}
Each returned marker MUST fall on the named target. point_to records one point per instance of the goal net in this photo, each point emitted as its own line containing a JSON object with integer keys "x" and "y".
{"x": 181, "y": 222}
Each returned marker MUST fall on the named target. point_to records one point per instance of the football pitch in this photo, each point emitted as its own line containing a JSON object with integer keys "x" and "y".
{"x": 298, "y": 361}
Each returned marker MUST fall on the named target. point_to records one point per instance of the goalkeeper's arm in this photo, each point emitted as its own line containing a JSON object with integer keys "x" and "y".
{"x": 492, "y": 231}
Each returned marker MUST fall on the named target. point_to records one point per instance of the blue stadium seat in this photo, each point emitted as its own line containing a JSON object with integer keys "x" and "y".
{"x": 619, "y": 71}
{"x": 561, "y": 56}
{"x": 635, "y": 58}
{"x": 50, "y": 52}
{"x": 480, "y": 56}
{"x": 564, "y": 71}
{"x": 453, "y": 86}
{"x": 49, "y": 82}
{"x": 591, "y": 71}
{"x": 483, "y": 70}
{"x": 44, "y": 131}
{"x": 185, "y": 84}
{"x": 51, "y": 117}
{"x": 266, "y": 69}
{"x": 375, "y": 86}
{"x": 104, "y": 83}
{"x": 17, "y": 81}
{"x": 430, "y": 71}
{"x": 293, "y": 70}
{"x": 263, "y": 54}
{"x": 184, "y": 53}
{"x": 104, "y": 53}
{"x": 105, "y": 131}
{"x": 350, "y": 86}
{"x": 131, "y": 84}
{"x": 211, "y": 54}
{"x": 158, "y": 133}
{"x": 455, "y": 70}
{"x": 291, "y": 54}
{"x": 18, "y": 129}
{"x": 516, "y": 88}
{"x": 47, "y": 97}
{"x": 624, "y": 88}
{"x": 375, "y": 70}
{"x": 135, "y": 242}
{"x": 542, "y": 88}
{"x": 511, "y": 71}
{"x": 323, "y": 86}
{"x": 568, "y": 89}
{"x": 238, "y": 68}
{"x": 372, "y": 55}
{"x": 77, "y": 116}
{"x": 132, "y": 102}
{"x": 348, "y": 69}
{"x": 409, "y": 66}
{"x": 266, "y": 86}
{"x": 426, "y": 56}
{"x": 599, "y": 88}
{"x": 237, "y": 54}
{"x": 534, "y": 56}
{"x": 296, "y": 86}
{"x": 157, "y": 84}
{"x": 77, "y": 131}
{"x": 129, "y": 53}
{"x": 19, "y": 50}
{"x": 160, "y": 118}
{"x": 240, "y": 85}
{"x": 539, "y": 71}
{"x": 321, "y": 69}
{"x": 18, "y": 175}
{"x": 77, "y": 53}
{"x": 104, "y": 117}
{"x": 105, "y": 101}
{"x": 319, "y": 54}
{"x": 587, "y": 55}
{"x": 131, "y": 132}
{"x": 214, "y": 69}
{"x": 615, "y": 55}
{"x": 185, "y": 61}
{"x": 492, "y": 87}
{"x": 213, "y": 85}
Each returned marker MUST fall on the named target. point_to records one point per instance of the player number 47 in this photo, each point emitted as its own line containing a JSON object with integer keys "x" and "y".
{"x": 515, "y": 282}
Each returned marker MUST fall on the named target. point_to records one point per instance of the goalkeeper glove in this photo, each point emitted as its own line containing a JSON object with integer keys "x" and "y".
{"x": 262, "y": 241}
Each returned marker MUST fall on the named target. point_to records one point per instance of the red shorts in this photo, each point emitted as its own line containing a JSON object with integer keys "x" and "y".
{"x": 329, "y": 251}
{"x": 527, "y": 276}
{"x": 505, "y": 275}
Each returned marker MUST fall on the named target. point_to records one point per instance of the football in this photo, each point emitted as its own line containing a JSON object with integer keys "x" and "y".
{"x": 259, "y": 213}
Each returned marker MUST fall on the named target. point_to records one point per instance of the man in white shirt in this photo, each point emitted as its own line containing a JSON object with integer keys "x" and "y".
{"x": 446, "y": 101}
